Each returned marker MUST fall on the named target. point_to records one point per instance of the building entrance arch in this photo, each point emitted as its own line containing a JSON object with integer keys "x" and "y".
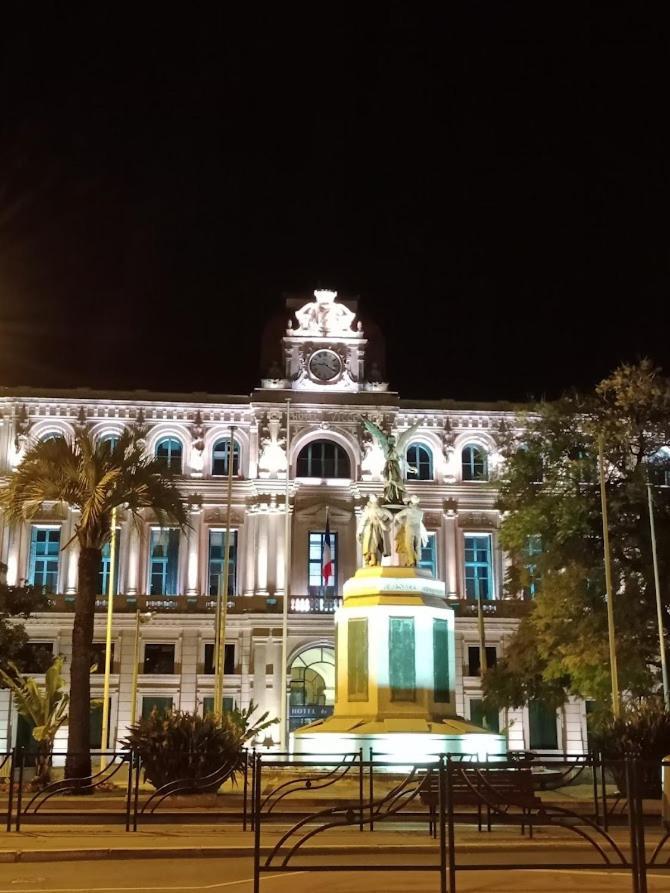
{"x": 312, "y": 689}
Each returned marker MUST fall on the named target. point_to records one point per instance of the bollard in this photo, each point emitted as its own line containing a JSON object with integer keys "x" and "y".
{"x": 665, "y": 810}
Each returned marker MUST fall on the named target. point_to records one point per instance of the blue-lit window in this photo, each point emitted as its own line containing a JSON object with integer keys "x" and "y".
{"x": 220, "y": 455}
{"x": 478, "y": 566}
{"x": 169, "y": 453}
{"x": 533, "y": 549}
{"x": 421, "y": 458}
{"x": 475, "y": 465}
{"x": 323, "y": 459}
{"x": 164, "y": 561}
{"x": 44, "y": 557}
{"x": 428, "y": 560}
{"x": 315, "y": 563}
{"x": 105, "y": 561}
{"x": 217, "y": 545}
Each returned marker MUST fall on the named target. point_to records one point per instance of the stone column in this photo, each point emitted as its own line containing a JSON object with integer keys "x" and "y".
{"x": 260, "y": 659}
{"x": 193, "y": 551}
{"x": 280, "y": 563}
{"x": 262, "y": 538}
{"x": 250, "y": 556}
{"x": 451, "y": 554}
{"x": 13, "y": 551}
{"x": 134, "y": 583}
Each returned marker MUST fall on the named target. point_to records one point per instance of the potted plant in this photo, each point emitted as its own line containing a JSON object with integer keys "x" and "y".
{"x": 202, "y": 751}
{"x": 45, "y": 706}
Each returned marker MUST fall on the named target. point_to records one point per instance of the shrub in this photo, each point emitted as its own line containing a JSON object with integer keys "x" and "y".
{"x": 206, "y": 750}
{"x": 643, "y": 732}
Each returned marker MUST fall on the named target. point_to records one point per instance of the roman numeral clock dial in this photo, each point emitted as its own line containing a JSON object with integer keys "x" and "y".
{"x": 325, "y": 365}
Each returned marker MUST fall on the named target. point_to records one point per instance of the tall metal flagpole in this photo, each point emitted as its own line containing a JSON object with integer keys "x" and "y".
{"x": 222, "y": 601}
{"x": 616, "y": 701}
{"x": 108, "y": 641}
{"x": 283, "y": 730}
{"x": 659, "y": 606}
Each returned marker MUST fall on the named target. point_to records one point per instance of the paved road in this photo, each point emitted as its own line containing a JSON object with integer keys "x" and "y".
{"x": 235, "y": 876}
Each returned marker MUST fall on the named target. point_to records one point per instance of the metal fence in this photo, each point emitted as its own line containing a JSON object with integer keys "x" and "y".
{"x": 453, "y": 794}
{"x": 288, "y": 801}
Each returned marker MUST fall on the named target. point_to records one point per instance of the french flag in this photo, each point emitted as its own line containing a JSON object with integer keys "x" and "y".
{"x": 326, "y": 555}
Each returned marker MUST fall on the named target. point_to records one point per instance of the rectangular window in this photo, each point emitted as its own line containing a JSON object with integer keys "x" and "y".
{"x": 402, "y": 661}
{"x": 533, "y": 549}
{"x": 162, "y": 704}
{"x": 103, "y": 576}
{"x": 488, "y": 719}
{"x": 357, "y": 659}
{"x": 217, "y": 545}
{"x": 315, "y": 564}
{"x": 474, "y": 665}
{"x": 478, "y": 566}
{"x": 428, "y": 560}
{"x": 24, "y": 736}
{"x": 441, "y": 661}
{"x": 98, "y": 657}
{"x": 36, "y": 657}
{"x": 228, "y": 659}
{"x": 158, "y": 658}
{"x": 543, "y": 733}
{"x": 208, "y": 704}
{"x": 95, "y": 726}
{"x": 44, "y": 556}
{"x": 164, "y": 561}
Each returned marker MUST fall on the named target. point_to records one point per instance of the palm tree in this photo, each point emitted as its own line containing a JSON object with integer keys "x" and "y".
{"x": 93, "y": 478}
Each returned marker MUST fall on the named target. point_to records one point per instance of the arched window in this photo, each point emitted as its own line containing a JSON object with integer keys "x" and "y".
{"x": 109, "y": 442}
{"x": 421, "y": 458}
{"x": 168, "y": 452}
{"x": 220, "y": 454}
{"x": 475, "y": 463}
{"x": 323, "y": 459}
{"x": 659, "y": 468}
{"x": 52, "y": 435}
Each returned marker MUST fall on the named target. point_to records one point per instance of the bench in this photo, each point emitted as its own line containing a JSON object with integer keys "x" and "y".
{"x": 484, "y": 789}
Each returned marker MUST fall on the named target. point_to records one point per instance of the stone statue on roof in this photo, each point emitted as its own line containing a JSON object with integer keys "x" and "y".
{"x": 324, "y": 316}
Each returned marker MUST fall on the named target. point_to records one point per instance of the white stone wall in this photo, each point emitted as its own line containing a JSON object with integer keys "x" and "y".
{"x": 453, "y": 507}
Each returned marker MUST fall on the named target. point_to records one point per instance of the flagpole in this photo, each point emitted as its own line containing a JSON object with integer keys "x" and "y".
{"x": 283, "y": 730}
{"x": 220, "y": 650}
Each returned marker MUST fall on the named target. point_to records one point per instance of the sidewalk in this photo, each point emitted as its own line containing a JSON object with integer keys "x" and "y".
{"x": 42, "y": 844}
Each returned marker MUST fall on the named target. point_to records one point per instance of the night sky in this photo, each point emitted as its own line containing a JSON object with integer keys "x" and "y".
{"x": 492, "y": 183}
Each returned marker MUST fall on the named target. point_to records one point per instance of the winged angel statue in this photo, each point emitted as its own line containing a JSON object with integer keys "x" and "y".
{"x": 396, "y": 465}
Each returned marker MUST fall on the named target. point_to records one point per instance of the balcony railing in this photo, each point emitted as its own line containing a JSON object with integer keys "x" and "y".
{"x": 260, "y": 604}
{"x": 205, "y": 604}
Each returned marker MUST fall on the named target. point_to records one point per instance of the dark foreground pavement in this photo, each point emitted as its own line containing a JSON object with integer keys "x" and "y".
{"x": 234, "y": 875}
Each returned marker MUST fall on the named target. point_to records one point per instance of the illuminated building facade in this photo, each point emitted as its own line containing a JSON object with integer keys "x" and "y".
{"x": 331, "y": 368}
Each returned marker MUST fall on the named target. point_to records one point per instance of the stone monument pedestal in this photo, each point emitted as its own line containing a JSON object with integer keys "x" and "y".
{"x": 396, "y": 673}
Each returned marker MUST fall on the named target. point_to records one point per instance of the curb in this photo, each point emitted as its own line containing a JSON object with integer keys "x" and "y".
{"x": 216, "y": 852}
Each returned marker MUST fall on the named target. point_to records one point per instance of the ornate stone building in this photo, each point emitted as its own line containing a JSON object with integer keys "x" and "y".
{"x": 333, "y": 376}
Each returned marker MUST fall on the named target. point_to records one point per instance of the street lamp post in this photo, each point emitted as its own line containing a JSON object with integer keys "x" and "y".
{"x": 283, "y": 706}
{"x": 222, "y": 600}
{"x": 104, "y": 742}
{"x": 139, "y": 618}
{"x": 659, "y": 606}
{"x": 616, "y": 701}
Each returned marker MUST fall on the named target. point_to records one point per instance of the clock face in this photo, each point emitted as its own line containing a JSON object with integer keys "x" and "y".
{"x": 325, "y": 365}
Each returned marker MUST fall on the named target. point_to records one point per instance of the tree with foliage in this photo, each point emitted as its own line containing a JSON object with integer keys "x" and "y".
{"x": 45, "y": 706}
{"x": 93, "y": 478}
{"x": 552, "y": 530}
{"x": 16, "y": 602}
